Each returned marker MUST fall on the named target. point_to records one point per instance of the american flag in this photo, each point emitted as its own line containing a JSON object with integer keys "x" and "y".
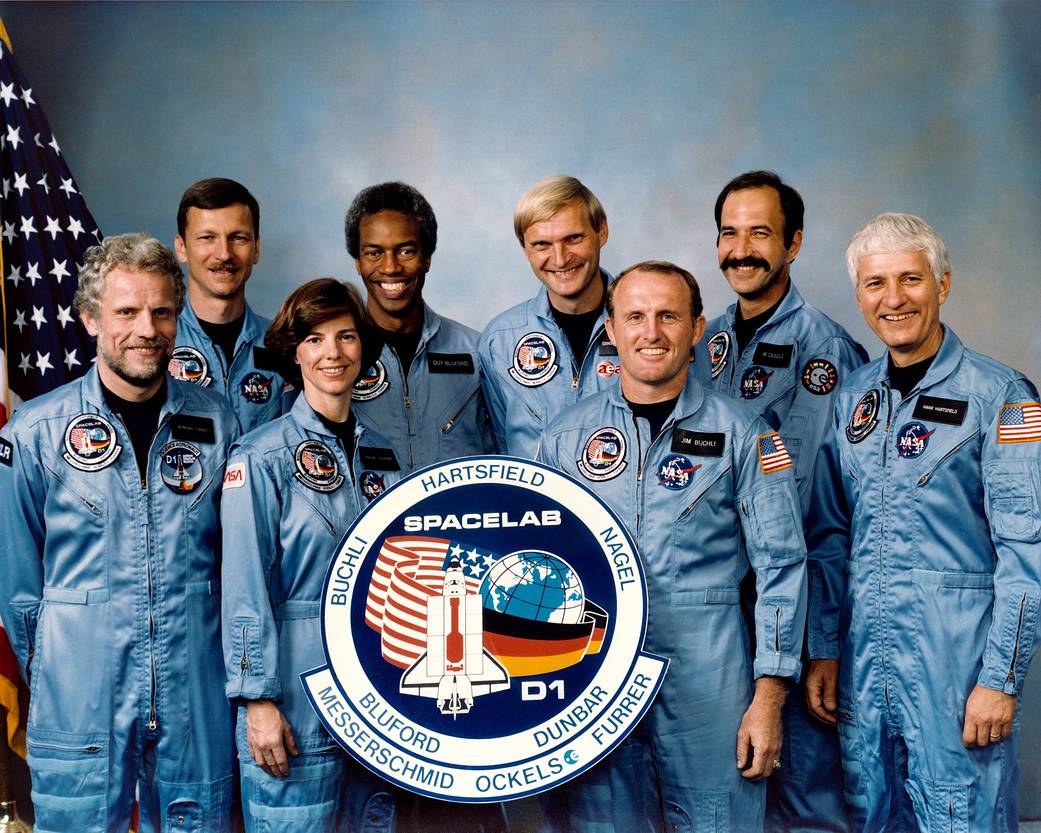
{"x": 45, "y": 230}
{"x": 410, "y": 569}
{"x": 773, "y": 456}
{"x": 1019, "y": 423}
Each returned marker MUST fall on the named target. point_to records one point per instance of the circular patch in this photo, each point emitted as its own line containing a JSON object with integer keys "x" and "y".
{"x": 372, "y": 383}
{"x": 180, "y": 466}
{"x": 603, "y": 455}
{"x": 718, "y": 350}
{"x": 912, "y": 439}
{"x": 675, "y": 472}
{"x": 865, "y": 417}
{"x": 534, "y": 360}
{"x": 256, "y": 388}
{"x": 372, "y": 485}
{"x": 481, "y": 622}
{"x": 189, "y": 365}
{"x": 607, "y": 368}
{"x": 753, "y": 382}
{"x": 316, "y": 466}
{"x": 820, "y": 376}
{"x": 90, "y": 443}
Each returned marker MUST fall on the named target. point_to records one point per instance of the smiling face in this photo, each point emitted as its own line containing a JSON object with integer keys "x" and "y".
{"x": 564, "y": 253}
{"x": 221, "y": 249}
{"x": 330, "y": 361}
{"x": 900, "y": 300}
{"x": 135, "y": 327}
{"x": 393, "y": 268}
{"x": 750, "y": 247}
{"x": 653, "y": 329}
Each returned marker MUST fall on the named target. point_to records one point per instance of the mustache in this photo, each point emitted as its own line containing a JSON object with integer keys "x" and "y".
{"x": 150, "y": 342}
{"x": 751, "y": 260}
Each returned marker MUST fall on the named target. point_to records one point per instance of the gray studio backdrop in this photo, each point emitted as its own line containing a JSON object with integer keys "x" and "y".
{"x": 928, "y": 107}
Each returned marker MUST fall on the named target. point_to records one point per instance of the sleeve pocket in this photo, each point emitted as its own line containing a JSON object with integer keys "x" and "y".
{"x": 1012, "y": 500}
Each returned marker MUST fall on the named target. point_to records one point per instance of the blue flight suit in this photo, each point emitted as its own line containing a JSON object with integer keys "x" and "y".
{"x": 789, "y": 372}
{"x": 710, "y": 496}
{"x": 926, "y": 533}
{"x": 437, "y": 412}
{"x": 289, "y": 496}
{"x": 111, "y": 598}
{"x": 251, "y": 385}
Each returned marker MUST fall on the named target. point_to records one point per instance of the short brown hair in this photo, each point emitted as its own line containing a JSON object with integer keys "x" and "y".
{"x": 309, "y": 305}
{"x": 217, "y": 192}
{"x": 660, "y": 267}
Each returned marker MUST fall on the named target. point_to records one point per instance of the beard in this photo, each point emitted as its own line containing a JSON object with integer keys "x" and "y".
{"x": 147, "y": 371}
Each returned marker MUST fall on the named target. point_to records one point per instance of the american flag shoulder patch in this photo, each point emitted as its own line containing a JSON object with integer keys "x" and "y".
{"x": 773, "y": 456}
{"x": 1019, "y": 422}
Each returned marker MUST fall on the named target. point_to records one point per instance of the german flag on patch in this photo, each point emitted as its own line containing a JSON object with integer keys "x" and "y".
{"x": 526, "y": 647}
{"x": 773, "y": 456}
{"x": 1019, "y": 423}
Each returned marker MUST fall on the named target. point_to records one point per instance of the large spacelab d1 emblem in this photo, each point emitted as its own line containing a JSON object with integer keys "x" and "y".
{"x": 483, "y": 624}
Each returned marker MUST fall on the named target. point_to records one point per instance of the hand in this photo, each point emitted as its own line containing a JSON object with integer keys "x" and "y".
{"x": 988, "y": 716}
{"x": 759, "y": 737}
{"x": 822, "y": 684}
{"x": 269, "y": 736}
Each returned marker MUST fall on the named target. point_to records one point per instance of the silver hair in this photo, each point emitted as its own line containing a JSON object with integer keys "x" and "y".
{"x": 892, "y": 233}
{"x": 135, "y": 251}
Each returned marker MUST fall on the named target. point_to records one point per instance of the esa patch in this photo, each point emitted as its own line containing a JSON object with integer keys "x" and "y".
{"x": 718, "y": 350}
{"x": 316, "y": 466}
{"x": 256, "y": 388}
{"x": 1019, "y": 422}
{"x": 606, "y": 368}
{"x": 773, "y": 456}
{"x": 534, "y": 360}
{"x": 372, "y": 383}
{"x": 675, "y": 472}
{"x": 180, "y": 466}
{"x": 603, "y": 455}
{"x": 754, "y": 381}
{"x": 235, "y": 476}
{"x": 820, "y": 377}
{"x": 865, "y": 417}
{"x": 90, "y": 443}
{"x": 189, "y": 365}
{"x": 371, "y": 485}
{"x": 912, "y": 439}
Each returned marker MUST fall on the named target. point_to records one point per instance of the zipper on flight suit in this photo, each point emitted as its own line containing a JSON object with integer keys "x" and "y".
{"x": 882, "y": 533}
{"x": 451, "y": 422}
{"x": 244, "y": 662}
{"x": 925, "y": 477}
{"x": 30, "y": 638}
{"x": 1011, "y": 678}
{"x": 406, "y": 397}
{"x": 777, "y": 631}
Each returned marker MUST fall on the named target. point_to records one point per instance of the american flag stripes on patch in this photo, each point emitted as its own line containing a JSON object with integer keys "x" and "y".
{"x": 773, "y": 456}
{"x": 1019, "y": 423}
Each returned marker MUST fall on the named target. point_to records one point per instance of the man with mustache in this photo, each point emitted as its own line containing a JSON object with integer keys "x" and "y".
{"x": 784, "y": 358}
{"x": 109, "y": 554}
{"x": 424, "y": 391}
{"x": 220, "y": 340}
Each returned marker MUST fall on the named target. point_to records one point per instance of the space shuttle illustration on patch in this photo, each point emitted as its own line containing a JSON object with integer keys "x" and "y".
{"x": 455, "y": 667}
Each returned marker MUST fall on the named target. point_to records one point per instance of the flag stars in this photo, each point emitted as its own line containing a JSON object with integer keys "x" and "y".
{"x": 7, "y": 93}
{"x": 25, "y": 365}
{"x": 7, "y": 187}
{"x": 33, "y": 274}
{"x": 43, "y": 362}
{"x": 70, "y": 359}
{"x": 38, "y": 318}
{"x": 59, "y": 271}
{"x": 53, "y": 143}
{"x": 28, "y": 227}
{"x": 36, "y": 139}
{"x": 13, "y": 136}
{"x": 456, "y": 552}
{"x": 65, "y": 316}
{"x": 27, "y": 97}
{"x": 53, "y": 227}
{"x": 8, "y": 232}
{"x": 15, "y": 275}
{"x": 42, "y": 182}
{"x": 20, "y": 183}
{"x": 19, "y": 320}
{"x": 75, "y": 228}
{"x": 68, "y": 187}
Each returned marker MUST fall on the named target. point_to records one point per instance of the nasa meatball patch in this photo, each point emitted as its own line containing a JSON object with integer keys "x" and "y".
{"x": 482, "y": 627}
{"x": 820, "y": 377}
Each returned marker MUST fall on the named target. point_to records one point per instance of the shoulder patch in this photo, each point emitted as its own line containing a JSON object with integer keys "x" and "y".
{"x": 450, "y": 363}
{"x": 718, "y": 350}
{"x": 603, "y": 455}
{"x": 773, "y": 355}
{"x": 698, "y": 443}
{"x": 189, "y": 365}
{"x": 6, "y": 452}
{"x": 235, "y": 476}
{"x": 372, "y": 383}
{"x": 91, "y": 443}
{"x": 773, "y": 456}
{"x": 534, "y": 360}
{"x": 378, "y": 458}
{"x": 935, "y": 409}
{"x": 188, "y": 427}
{"x": 820, "y": 377}
{"x": 865, "y": 416}
{"x": 1019, "y": 422}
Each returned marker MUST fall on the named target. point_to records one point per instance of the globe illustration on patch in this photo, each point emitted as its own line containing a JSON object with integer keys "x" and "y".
{"x": 534, "y": 585}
